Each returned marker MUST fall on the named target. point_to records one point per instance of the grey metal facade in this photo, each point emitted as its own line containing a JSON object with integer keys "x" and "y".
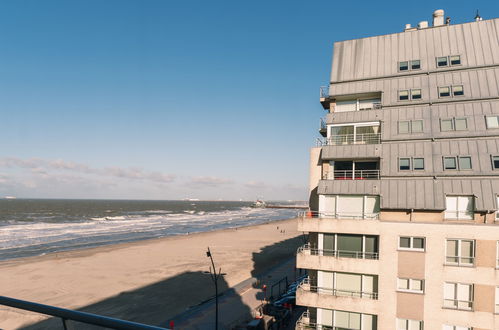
{"x": 370, "y": 65}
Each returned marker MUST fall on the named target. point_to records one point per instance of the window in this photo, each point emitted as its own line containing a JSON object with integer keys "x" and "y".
{"x": 492, "y": 121}
{"x": 403, "y": 324}
{"x": 495, "y": 162}
{"x": 460, "y": 252}
{"x": 404, "y": 164}
{"x": 457, "y": 90}
{"x": 443, "y": 91}
{"x": 455, "y": 327}
{"x": 403, "y": 95}
{"x": 455, "y": 60}
{"x": 333, "y": 319}
{"x": 458, "y": 296}
{"x": 350, "y": 246}
{"x": 418, "y": 163}
{"x": 357, "y": 104}
{"x": 442, "y": 61}
{"x": 497, "y": 300}
{"x": 453, "y": 124}
{"x": 450, "y": 163}
{"x": 350, "y": 206}
{"x": 459, "y": 207}
{"x": 406, "y": 94}
{"x": 411, "y": 243}
{"x": 347, "y": 284}
{"x": 415, "y": 94}
{"x": 409, "y": 65}
{"x": 410, "y": 285}
{"x": 410, "y": 126}
{"x": 464, "y": 163}
{"x": 497, "y": 254}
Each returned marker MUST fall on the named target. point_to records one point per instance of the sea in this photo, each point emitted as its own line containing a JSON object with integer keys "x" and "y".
{"x": 32, "y": 227}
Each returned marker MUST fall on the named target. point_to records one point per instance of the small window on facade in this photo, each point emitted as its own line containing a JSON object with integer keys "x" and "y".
{"x": 404, "y": 324}
{"x": 417, "y": 126}
{"x": 495, "y": 163}
{"x": 410, "y": 285}
{"x": 415, "y": 65}
{"x": 442, "y": 61}
{"x": 458, "y": 296}
{"x": 404, "y": 164}
{"x": 403, "y": 66}
{"x": 450, "y": 163}
{"x": 418, "y": 163}
{"x": 460, "y": 252}
{"x": 457, "y": 90}
{"x": 444, "y": 91}
{"x": 461, "y": 124}
{"x": 404, "y": 127}
{"x": 455, "y": 60}
{"x": 403, "y": 95}
{"x": 415, "y": 94}
{"x": 446, "y": 125}
{"x": 465, "y": 163}
{"x": 411, "y": 243}
{"x": 492, "y": 121}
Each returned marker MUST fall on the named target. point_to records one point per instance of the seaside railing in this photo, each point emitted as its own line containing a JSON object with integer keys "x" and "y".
{"x": 342, "y": 139}
{"x": 351, "y": 175}
{"x": 338, "y": 215}
{"x": 307, "y": 249}
{"x": 309, "y": 285}
{"x": 71, "y": 315}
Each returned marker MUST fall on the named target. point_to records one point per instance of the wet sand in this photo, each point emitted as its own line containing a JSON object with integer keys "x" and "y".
{"x": 159, "y": 277}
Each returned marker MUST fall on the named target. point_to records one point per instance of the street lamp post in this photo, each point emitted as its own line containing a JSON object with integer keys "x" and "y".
{"x": 215, "y": 276}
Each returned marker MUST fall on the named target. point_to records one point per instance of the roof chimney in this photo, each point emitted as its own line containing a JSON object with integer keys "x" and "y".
{"x": 438, "y": 17}
{"x": 423, "y": 25}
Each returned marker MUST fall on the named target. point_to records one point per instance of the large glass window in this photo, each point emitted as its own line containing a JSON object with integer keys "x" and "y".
{"x": 458, "y": 295}
{"x": 351, "y": 246}
{"x": 412, "y": 243}
{"x": 459, "y": 207}
{"x": 357, "y": 105}
{"x": 343, "y": 320}
{"x": 460, "y": 252}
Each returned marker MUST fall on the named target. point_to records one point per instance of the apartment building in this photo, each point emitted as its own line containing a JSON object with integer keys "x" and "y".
{"x": 404, "y": 185}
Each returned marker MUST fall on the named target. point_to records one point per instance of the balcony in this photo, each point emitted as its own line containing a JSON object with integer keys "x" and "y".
{"x": 338, "y": 215}
{"x": 349, "y": 139}
{"x": 351, "y": 175}
{"x": 310, "y": 286}
{"x": 340, "y": 260}
{"x": 323, "y": 127}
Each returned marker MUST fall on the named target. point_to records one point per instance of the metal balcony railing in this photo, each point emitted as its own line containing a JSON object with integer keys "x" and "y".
{"x": 324, "y": 92}
{"x": 339, "y": 215}
{"x": 310, "y": 286}
{"x": 307, "y": 249}
{"x": 323, "y": 124}
{"x": 351, "y": 175}
{"x": 66, "y": 314}
{"x": 359, "y": 138}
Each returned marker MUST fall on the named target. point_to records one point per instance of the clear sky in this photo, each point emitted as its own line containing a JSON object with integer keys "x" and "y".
{"x": 171, "y": 99}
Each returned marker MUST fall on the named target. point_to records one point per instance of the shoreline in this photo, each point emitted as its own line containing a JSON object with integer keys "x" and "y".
{"x": 166, "y": 274}
{"x": 109, "y": 247}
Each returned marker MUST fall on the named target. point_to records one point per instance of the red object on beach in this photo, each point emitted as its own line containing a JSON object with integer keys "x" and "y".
{"x": 309, "y": 214}
{"x": 172, "y": 325}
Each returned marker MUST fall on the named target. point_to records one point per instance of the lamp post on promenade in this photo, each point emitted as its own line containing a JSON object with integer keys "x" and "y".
{"x": 215, "y": 276}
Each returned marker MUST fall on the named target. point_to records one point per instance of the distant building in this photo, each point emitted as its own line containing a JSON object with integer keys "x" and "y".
{"x": 404, "y": 188}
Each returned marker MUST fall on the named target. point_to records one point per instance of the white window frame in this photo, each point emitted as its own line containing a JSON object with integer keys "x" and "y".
{"x": 411, "y": 244}
{"x": 409, "y": 94}
{"x": 459, "y": 255}
{"x": 456, "y": 300}
{"x": 487, "y": 124}
{"x": 408, "y": 325}
{"x": 409, "y": 66}
{"x": 457, "y": 212}
{"x": 493, "y": 164}
{"x": 410, "y": 126}
{"x": 497, "y": 255}
{"x": 451, "y": 91}
{"x": 496, "y": 309}
{"x": 449, "y": 63}
{"x": 355, "y": 125}
{"x": 410, "y": 282}
{"x": 453, "y": 124}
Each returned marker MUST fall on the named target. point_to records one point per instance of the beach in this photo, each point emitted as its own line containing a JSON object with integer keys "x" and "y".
{"x": 147, "y": 281}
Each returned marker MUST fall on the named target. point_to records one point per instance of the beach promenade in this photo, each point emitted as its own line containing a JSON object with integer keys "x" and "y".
{"x": 148, "y": 281}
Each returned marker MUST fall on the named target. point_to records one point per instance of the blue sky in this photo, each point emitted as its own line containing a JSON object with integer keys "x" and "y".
{"x": 174, "y": 99}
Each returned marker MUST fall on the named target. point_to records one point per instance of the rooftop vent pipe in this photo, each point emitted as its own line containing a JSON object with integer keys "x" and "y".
{"x": 478, "y": 18}
{"x": 438, "y": 17}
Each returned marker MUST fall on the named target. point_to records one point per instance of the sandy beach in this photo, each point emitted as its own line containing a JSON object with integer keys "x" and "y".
{"x": 148, "y": 281}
